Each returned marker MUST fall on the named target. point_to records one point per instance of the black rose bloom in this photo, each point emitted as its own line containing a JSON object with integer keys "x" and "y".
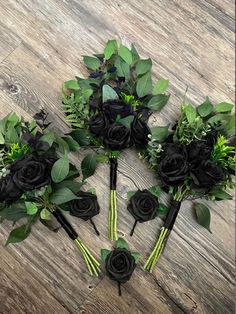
{"x": 117, "y": 137}
{"x": 120, "y": 265}
{"x": 30, "y": 172}
{"x": 198, "y": 150}
{"x": 143, "y": 207}
{"x": 139, "y": 132}
{"x": 113, "y": 108}
{"x": 205, "y": 175}
{"x": 85, "y": 207}
{"x": 9, "y": 192}
{"x": 173, "y": 166}
{"x": 98, "y": 124}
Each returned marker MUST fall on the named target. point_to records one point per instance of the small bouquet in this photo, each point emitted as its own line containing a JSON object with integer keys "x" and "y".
{"x": 195, "y": 161}
{"x": 110, "y": 108}
{"x": 37, "y": 179}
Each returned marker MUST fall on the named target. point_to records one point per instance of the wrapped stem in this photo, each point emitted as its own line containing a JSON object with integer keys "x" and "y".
{"x": 92, "y": 264}
{"x": 165, "y": 231}
{"x": 112, "y": 224}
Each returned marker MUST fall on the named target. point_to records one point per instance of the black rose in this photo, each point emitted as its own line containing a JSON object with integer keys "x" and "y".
{"x": 143, "y": 206}
{"x": 198, "y": 150}
{"x": 113, "y": 108}
{"x": 206, "y": 174}
{"x": 85, "y": 207}
{"x": 120, "y": 265}
{"x": 117, "y": 137}
{"x": 98, "y": 124}
{"x": 9, "y": 192}
{"x": 140, "y": 132}
{"x": 30, "y": 172}
{"x": 173, "y": 166}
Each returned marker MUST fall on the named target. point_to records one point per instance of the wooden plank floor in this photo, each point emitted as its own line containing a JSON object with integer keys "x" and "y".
{"x": 191, "y": 42}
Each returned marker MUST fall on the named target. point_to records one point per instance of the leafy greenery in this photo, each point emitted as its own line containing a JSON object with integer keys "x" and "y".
{"x": 223, "y": 154}
{"x": 160, "y": 87}
{"x": 88, "y": 165}
{"x": 203, "y": 215}
{"x": 60, "y": 169}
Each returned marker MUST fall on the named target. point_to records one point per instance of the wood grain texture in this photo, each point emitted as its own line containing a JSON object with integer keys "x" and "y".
{"x": 192, "y": 44}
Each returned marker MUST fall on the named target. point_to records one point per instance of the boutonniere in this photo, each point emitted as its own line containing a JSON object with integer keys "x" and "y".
{"x": 110, "y": 108}
{"x": 120, "y": 262}
{"x": 195, "y": 160}
{"x": 37, "y": 179}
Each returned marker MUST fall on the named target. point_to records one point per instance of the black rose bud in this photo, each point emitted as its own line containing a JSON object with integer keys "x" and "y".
{"x": 30, "y": 172}
{"x": 173, "y": 166}
{"x": 113, "y": 108}
{"x": 198, "y": 150}
{"x": 117, "y": 137}
{"x": 85, "y": 207}
{"x": 143, "y": 207}
{"x": 98, "y": 124}
{"x": 120, "y": 265}
{"x": 140, "y": 132}
{"x": 205, "y": 175}
{"x": 9, "y": 192}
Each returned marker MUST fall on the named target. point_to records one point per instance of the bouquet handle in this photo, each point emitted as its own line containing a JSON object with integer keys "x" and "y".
{"x": 112, "y": 223}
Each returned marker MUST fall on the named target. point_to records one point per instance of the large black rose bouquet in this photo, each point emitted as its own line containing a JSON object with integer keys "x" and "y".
{"x": 110, "y": 108}
{"x": 37, "y": 179}
{"x": 195, "y": 160}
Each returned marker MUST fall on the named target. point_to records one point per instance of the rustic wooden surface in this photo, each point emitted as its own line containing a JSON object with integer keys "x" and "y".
{"x": 191, "y": 42}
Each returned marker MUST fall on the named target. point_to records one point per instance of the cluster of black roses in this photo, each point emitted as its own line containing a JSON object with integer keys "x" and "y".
{"x": 116, "y": 136}
{"x": 28, "y": 173}
{"x": 177, "y": 162}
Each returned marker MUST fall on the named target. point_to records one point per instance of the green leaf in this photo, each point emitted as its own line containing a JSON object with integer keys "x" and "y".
{"x": 80, "y": 137}
{"x": 11, "y": 136}
{"x": 162, "y": 210}
{"x": 110, "y": 49}
{"x": 130, "y": 194}
{"x": 219, "y": 193}
{"x": 12, "y": 119}
{"x": 160, "y": 133}
{"x": 155, "y": 190}
{"x": 19, "y": 234}
{"x": 104, "y": 254}
{"x": 102, "y": 158}
{"x": 203, "y": 215}
{"x": 122, "y": 244}
{"x": 230, "y": 126}
{"x": 125, "y": 54}
{"x": 31, "y": 208}
{"x": 73, "y": 145}
{"x": 144, "y": 85}
{"x": 2, "y": 140}
{"x": 60, "y": 169}
{"x": 205, "y": 108}
{"x": 156, "y": 103}
{"x": 108, "y": 93}
{"x": 223, "y": 107}
{"x": 51, "y": 224}
{"x": 92, "y": 62}
{"x": 136, "y": 256}
{"x": 88, "y": 165}
{"x": 123, "y": 69}
{"x": 92, "y": 191}
{"x": 62, "y": 145}
{"x": 73, "y": 185}
{"x": 191, "y": 113}
{"x": 160, "y": 87}
{"x": 62, "y": 195}
{"x": 126, "y": 121}
{"x": 143, "y": 66}
{"x": 49, "y": 138}
{"x": 72, "y": 84}
{"x": 45, "y": 214}
{"x": 135, "y": 54}
{"x": 14, "y": 212}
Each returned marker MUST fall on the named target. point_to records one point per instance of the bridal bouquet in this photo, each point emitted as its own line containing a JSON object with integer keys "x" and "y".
{"x": 194, "y": 161}
{"x": 37, "y": 179}
{"x": 110, "y": 108}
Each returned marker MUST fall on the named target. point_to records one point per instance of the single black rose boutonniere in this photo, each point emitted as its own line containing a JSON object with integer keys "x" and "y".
{"x": 194, "y": 161}
{"x": 85, "y": 206}
{"x": 120, "y": 262}
{"x": 110, "y": 108}
{"x": 37, "y": 180}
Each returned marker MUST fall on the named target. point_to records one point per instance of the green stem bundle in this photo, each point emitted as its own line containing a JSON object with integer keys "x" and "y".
{"x": 112, "y": 220}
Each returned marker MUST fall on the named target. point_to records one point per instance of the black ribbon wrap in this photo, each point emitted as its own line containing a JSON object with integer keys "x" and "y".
{"x": 65, "y": 224}
{"x": 173, "y": 212}
{"x": 113, "y": 173}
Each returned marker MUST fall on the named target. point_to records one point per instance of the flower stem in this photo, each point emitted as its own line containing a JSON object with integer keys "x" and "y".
{"x": 119, "y": 289}
{"x": 132, "y": 231}
{"x": 94, "y": 226}
{"x": 112, "y": 222}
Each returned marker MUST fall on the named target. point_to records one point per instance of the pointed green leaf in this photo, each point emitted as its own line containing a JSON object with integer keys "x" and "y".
{"x": 135, "y": 54}
{"x": 73, "y": 145}
{"x": 88, "y": 165}
{"x": 130, "y": 194}
{"x": 104, "y": 254}
{"x": 19, "y": 234}
{"x": 62, "y": 195}
{"x": 126, "y": 121}
{"x": 162, "y": 210}
{"x": 191, "y": 113}
{"x": 122, "y": 244}
{"x": 81, "y": 137}
{"x": 156, "y": 103}
{"x": 155, "y": 190}
{"x": 143, "y": 66}
{"x": 72, "y": 185}
{"x": 203, "y": 215}
{"x": 48, "y": 137}
{"x": 108, "y": 93}
{"x": 160, "y": 87}
{"x": 160, "y": 133}
{"x": 144, "y": 85}
{"x": 60, "y": 169}
{"x": 72, "y": 84}
{"x": 136, "y": 256}
{"x": 223, "y": 107}
{"x": 205, "y": 108}
{"x": 92, "y": 191}
{"x": 31, "y": 208}
{"x": 123, "y": 69}
{"x": 110, "y": 49}
{"x": 92, "y": 62}
{"x": 125, "y": 54}
{"x": 102, "y": 158}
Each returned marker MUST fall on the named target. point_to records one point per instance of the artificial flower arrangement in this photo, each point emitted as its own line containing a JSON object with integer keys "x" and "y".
{"x": 37, "y": 181}
{"x": 194, "y": 160}
{"x": 110, "y": 108}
